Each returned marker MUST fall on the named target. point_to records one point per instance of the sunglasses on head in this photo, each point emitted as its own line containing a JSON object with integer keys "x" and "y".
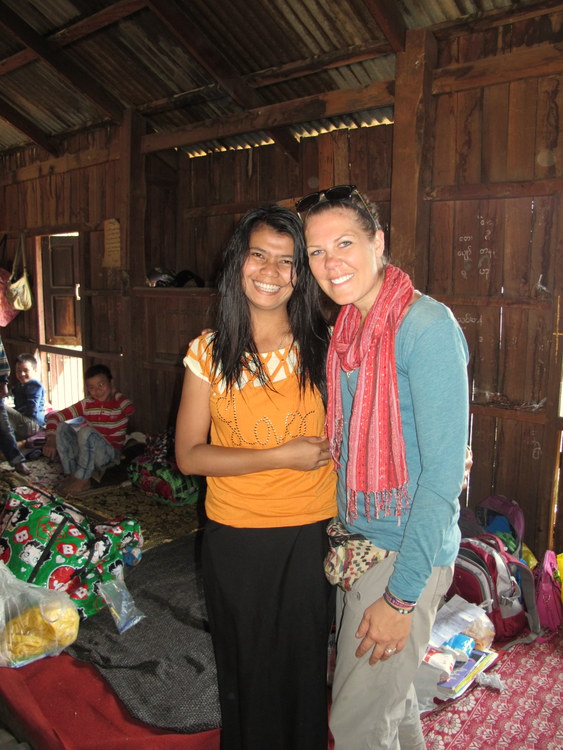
{"x": 336, "y": 193}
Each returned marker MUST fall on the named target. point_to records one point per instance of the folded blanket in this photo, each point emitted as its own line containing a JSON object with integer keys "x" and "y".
{"x": 163, "y": 668}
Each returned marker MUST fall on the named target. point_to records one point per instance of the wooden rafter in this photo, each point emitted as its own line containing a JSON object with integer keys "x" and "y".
{"x": 211, "y": 60}
{"x": 75, "y": 32}
{"x": 318, "y": 63}
{"x": 390, "y": 21}
{"x": 61, "y": 63}
{"x": 332, "y": 104}
{"x": 27, "y": 127}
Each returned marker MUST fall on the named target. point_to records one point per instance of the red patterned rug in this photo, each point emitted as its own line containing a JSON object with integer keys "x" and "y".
{"x": 526, "y": 715}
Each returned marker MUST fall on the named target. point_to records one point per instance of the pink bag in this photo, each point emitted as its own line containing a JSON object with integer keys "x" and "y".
{"x": 548, "y": 593}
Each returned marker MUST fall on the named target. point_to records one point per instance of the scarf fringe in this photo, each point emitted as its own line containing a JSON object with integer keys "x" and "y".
{"x": 382, "y": 502}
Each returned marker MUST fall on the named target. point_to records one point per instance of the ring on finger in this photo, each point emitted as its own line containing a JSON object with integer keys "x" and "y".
{"x": 390, "y": 650}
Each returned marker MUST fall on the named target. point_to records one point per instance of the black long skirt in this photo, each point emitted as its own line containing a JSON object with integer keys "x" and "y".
{"x": 270, "y": 611}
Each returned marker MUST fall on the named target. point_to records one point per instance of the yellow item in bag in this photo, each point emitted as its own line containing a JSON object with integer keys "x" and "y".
{"x": 560, "y": 569}
{"x": 34, "y": 621}
{"x": 528, "y": 556}
{"x": 40, "y": 631}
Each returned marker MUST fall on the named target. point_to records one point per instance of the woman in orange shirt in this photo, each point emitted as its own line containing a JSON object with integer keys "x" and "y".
{"x": 256, "y": 386}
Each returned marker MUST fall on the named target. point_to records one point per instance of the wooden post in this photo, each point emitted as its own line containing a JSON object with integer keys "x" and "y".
{"x": 132, "y": 197}
{"x": 413, "y": 124}
{"x": 131, "y": 202}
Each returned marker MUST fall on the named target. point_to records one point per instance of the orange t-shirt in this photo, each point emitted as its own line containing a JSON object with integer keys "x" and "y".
{"x": 257, "y": 417}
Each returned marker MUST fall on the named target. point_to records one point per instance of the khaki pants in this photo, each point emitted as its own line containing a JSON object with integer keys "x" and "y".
{"x": 23, "y": 426}
{"x": 375, "y": 708}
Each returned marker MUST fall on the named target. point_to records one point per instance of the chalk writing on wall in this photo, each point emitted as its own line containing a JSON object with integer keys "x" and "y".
{"x": 465, "y": 251}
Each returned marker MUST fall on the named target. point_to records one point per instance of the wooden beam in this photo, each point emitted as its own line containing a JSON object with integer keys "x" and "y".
{"x": 489, "y": 19}
{"x": 75, "y": 32}
{"x": 211, "y": 60}
{"x": 389, "y": 19}
{"x": 497, "y": 412}
{"x": 534, "y": 62}
{"x": 60, "y": 165}
{"x": 318, "y": 63}
{"x": 201, "y": 96}
{"x": 494, "y": 190}
{"x": 381, "y": 195}
{"x": 514, "y": 303}
{"x": 28, "y": 128}
{"x": 412, "y": 133}
{"x": 61, "y": 63}
{"x": 331, "y": 104}
{"x": 131, "y": 200}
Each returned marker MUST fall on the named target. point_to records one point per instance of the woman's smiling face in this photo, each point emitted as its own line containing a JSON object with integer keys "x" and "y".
{"x": 268, "y": 271}
{"x": 345, "y": 260}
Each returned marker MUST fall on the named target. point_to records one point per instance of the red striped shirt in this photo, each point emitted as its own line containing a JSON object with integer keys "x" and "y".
{"x": 109, "y": 418}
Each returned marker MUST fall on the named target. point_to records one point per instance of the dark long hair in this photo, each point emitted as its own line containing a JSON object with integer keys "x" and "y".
{"x": 233, "y": 341}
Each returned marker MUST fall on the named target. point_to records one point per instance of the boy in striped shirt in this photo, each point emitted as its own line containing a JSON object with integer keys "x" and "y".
{"x": 88, "y": 435}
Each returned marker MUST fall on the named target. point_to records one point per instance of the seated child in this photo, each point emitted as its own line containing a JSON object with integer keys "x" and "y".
{"x": 27, "y": 415}
{"x": 89, "y": 435}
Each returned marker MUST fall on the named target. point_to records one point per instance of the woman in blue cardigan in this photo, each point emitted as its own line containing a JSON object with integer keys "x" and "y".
{"x": 397, "y": 421}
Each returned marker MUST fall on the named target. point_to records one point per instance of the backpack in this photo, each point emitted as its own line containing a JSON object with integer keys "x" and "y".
{"x": 45, "y": 541}
{"x": 504, "y": 518}
{"x": 485, "y": 574}
{"x": 548, "y": 594}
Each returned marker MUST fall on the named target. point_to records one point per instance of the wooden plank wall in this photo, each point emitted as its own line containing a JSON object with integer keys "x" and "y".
{"x": 495, "y": 258}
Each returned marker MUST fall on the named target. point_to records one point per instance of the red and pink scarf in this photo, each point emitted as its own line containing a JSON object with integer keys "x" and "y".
{"x": 376, "y": 453}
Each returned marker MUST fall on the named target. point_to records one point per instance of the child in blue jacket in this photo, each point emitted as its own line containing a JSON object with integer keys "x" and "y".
{"x": 27, "y": 416}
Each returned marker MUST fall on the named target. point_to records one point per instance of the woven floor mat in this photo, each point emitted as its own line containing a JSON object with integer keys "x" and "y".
{"x": 159, "y": 522}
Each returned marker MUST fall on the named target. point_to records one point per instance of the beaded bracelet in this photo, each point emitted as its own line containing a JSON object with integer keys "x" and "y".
{"x": 399, "y": 605}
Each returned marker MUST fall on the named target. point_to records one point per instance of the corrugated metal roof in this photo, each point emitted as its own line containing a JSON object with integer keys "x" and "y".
{"x": 273, "y": 52}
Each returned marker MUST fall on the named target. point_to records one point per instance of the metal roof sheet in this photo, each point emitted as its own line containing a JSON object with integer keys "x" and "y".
{"x": 277, "y": 52}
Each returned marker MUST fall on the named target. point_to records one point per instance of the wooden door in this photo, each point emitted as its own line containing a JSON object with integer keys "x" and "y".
{"x": 61, "y": 290}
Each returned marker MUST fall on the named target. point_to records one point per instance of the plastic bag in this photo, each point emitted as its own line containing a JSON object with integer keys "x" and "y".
{"x": 120, "y": 603}
{"x": 18, "y": 289}
{"x": 482, "y": 631}
{"x": 34, "y": 622}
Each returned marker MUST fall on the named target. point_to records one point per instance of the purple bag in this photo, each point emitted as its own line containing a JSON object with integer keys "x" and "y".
{"x": 548, "y": 594}
{"x": 498, "y": 513}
